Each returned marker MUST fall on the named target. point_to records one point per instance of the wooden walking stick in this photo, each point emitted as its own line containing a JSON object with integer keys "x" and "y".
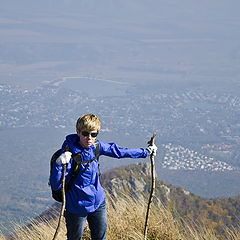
{"x": 63, "y": 202}
{"x": 153, "y": 174}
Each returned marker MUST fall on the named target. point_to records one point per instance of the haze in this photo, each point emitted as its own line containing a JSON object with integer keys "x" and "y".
{"x": 129, "y": 41}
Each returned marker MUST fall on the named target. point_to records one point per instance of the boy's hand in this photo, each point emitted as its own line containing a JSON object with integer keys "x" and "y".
{"x": 64, "y": 158}
{"x": 152, "y": 150}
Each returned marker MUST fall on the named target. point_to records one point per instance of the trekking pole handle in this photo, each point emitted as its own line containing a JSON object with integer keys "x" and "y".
{"x": 152, "y": 140}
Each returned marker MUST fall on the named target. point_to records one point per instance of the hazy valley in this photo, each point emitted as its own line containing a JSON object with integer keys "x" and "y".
{"x": 202, "y": 157}
{"x": 143, "y": 67}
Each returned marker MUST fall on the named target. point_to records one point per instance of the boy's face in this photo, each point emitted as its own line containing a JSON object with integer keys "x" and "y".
{"x": 87, "y": 138}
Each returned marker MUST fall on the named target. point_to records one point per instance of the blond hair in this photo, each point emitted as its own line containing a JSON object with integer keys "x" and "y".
{"x": 88, "y": 122}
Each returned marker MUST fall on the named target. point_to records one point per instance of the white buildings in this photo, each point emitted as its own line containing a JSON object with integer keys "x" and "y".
{"x": 178, "y": 157}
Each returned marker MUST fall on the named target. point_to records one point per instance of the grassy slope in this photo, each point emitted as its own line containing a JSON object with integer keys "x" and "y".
{"x": 127, "y": 202}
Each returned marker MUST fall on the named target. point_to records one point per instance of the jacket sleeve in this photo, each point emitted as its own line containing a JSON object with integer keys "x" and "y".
{"x": 56, "y": 176}
{"x": 115, "y": 151}
{"x": 56, "y": 172}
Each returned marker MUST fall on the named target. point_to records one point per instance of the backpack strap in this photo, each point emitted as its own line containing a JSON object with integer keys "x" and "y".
{"x": 77, "y": 160}
{"x": 78, "y": 157}
{"x": 97, "y": 149}
{"x": 97, "y": 155}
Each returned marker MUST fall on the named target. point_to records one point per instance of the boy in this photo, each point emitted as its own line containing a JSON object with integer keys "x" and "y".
{"x": 85, "y": 200}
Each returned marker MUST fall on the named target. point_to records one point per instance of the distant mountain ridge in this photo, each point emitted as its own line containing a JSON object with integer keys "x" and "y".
{"x": 105, "y": 6}
{"x": 110, "y": 5}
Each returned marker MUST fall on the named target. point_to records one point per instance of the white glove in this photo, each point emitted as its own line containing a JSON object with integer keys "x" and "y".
{"x": 152, "y": 150}
{"x": 64, "y": 158}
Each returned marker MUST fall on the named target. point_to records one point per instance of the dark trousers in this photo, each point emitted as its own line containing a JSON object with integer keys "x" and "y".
{"x": 97, "y": 222}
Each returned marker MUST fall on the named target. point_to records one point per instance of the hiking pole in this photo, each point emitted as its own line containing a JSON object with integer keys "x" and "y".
{"x": 153, "y": 174}
{"x": 63, "y": 202}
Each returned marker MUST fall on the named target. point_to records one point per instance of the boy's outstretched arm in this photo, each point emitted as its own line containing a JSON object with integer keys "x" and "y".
{"x": 113, "y": 150}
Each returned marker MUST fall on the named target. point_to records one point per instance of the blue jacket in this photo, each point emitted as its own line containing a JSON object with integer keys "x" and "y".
{"x": 86, "y": 193}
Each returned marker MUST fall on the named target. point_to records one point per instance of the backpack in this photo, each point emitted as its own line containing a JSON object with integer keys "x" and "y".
{"x": 77, "y": 160}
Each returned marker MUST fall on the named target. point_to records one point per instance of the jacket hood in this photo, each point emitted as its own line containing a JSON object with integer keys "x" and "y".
{"x": 72, "y": 141}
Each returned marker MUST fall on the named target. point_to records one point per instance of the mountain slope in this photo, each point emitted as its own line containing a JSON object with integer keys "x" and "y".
{"x": 134, "y": 181}
{"x": 173, "y": 208}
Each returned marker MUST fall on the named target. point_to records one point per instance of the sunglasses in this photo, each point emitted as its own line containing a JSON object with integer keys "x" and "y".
{"x": 86, "y": 134}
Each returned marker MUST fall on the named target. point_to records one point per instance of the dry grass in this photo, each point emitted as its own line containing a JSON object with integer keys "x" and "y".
{"x": 126, "y": 219}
